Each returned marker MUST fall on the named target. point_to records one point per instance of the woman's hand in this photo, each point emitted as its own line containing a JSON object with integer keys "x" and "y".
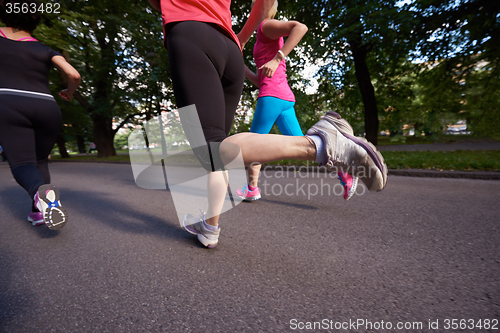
{"x": 71, "y": 76}
{"x": 66, "y": 95}
{"x": 270, "y": 67}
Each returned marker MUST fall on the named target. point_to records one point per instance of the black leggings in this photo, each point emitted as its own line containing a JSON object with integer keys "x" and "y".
{"x": 207, "y": 70}
{"x": 28, "y": 131}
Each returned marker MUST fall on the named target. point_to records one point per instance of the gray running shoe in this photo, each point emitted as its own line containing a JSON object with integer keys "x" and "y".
{"x": 354, "y": 155}
{"x": 196, "y": 226}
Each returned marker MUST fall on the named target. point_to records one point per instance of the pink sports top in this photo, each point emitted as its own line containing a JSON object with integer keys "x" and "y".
{"x": 210, "y": 11}
{"x": 28, "y": 39}
{"x": 264, "y": 50}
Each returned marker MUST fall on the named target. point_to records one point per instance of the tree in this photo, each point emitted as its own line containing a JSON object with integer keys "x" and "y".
{"x": 462, "y": 38}
{"x": 353, "y": 39}
{"x": 108, "y": 49}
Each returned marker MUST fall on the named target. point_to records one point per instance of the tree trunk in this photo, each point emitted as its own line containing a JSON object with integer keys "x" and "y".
{"x": 80, "y": 141}
{"x": 61, "y": 144}
{"x": 103, "y": 136}
{"x": 367, "y": 91}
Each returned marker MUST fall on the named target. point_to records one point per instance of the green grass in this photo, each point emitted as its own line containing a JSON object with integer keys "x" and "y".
{"x": 91, "y": 158}
{"x": 463, "y": 160}
{"x": 123, "y": 157}
{"x": 437, "y": 138}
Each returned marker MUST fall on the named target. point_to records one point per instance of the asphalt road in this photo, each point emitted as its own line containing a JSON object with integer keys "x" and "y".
{"x": 420, "y": 252}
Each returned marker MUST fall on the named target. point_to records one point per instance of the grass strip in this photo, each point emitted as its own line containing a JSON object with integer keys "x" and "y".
{"x": 460, "y": 160}
{"x": 463, "y": 160}
{"x": 91, "y": 158}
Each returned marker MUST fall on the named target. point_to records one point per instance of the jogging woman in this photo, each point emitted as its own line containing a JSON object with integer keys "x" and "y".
{"x": 30, "y": 118}
{"x": 208, "y": 71}
{"x": 275, "y": 103}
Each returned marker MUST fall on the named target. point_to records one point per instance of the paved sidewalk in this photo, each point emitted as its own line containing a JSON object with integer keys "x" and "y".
{"x": 420, "y": 251}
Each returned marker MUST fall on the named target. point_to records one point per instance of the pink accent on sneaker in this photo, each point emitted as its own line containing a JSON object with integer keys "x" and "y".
{"x": 36, "y": 218}
{"x": 349, "y": 182}
{"x": 248, "y": 195}
{"x": 37, "y": 199}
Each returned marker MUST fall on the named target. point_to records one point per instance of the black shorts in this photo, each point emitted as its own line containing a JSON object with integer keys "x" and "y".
{"x": 207, "y": 70}
{"x": 28, "y": 128}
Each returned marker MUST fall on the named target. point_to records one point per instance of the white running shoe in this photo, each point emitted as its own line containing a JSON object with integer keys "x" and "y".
{"x": 197, "y": 226}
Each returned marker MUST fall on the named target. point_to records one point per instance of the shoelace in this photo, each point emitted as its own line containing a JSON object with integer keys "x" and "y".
{"x": 54, "y": 204}
{"x": 202, "y": 214}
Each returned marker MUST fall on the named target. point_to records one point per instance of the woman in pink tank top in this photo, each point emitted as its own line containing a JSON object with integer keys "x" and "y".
{"x": 275, "y": 103}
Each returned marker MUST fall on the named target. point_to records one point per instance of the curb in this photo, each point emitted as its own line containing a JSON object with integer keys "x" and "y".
{"x": 485, "y": 175}
{"x": 76, "y": 161}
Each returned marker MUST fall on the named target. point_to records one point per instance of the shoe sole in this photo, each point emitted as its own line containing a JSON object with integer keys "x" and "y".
{"x": 250, "y": 199}
{"x": 353, "y": 188}
{"x": 35, "y": 223}
{"x": 340, "y": 124}
{"x": 203, "y": 240}
{"x": 54, "y": 217}
{"x": 206, "y": 242}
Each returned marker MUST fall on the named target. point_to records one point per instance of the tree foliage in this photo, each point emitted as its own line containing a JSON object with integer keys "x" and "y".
{"x": 383, "y": 64}
{"x": 107, "y": 42}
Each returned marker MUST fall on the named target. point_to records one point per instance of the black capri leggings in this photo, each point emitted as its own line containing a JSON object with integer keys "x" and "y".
{"x": 28, "y": 131}
{"x": 207, "y": 70}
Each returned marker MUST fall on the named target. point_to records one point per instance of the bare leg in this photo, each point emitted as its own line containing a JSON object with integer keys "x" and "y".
{"x": 256, "y": 148}
{"x": 253, "y": 174}
{"x": 263, "y": 148}
{"x": 217, "y": 189}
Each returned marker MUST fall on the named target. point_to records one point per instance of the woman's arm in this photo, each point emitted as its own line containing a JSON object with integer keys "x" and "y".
{"x": 274, "y": 29}
{"x": 155, "y": 4}
{"x": 258, "y": 13}
{"x": 74, "y": 77}
{"x": 252, "y": 77}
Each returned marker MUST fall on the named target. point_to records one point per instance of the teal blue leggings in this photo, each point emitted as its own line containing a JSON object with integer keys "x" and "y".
{"x": 272, "y": 110}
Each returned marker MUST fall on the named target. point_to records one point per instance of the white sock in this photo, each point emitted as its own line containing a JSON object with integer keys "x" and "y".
{"x": 320, "y": 149}
{"x": 209, "y": 226}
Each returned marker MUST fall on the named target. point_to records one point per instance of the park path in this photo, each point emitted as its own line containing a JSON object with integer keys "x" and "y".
{"x": 421, "y": 250}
